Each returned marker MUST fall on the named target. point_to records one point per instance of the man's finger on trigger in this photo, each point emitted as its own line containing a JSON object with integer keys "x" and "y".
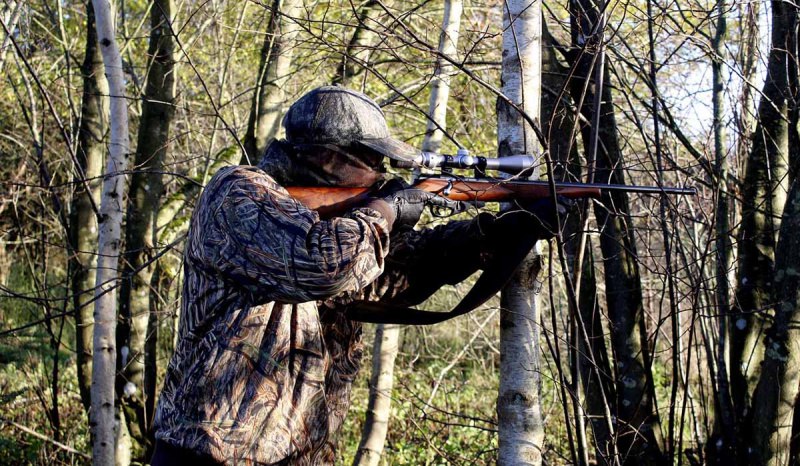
{"x": 455, "y": 206}
{"x": 463, "y": 206}
{"x": 440, "y": 201}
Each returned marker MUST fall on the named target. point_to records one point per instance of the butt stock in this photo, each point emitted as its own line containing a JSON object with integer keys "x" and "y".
{"x": 330, "y": 201}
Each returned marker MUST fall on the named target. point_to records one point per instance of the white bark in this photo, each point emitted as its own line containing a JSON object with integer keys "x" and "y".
{"x": 440, "y": 85}
{"x": 10, "y": 18}
{"x": 271, "y": 95}
{"x": 373, "y": 436}
{"x": 104, "y": 358}
{"x": 376, "y": 425}
{"x": 519, "y": 416}
{"x": 123, "y": 440}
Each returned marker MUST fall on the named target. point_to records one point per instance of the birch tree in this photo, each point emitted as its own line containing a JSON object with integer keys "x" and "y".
{"x": 274, "y": 72}
{"x": 108, "y": 244}
{"x": 376, "y": 424}
{"x": 83, "y": 215}
{"x": 763, "y": 197}
{"x": 136, "y": 384}
{"x": 10, "y": 16}
{"x": 440, "y": 85}
{"x": 387, "y": 337}
{"x": 519, "y": 417}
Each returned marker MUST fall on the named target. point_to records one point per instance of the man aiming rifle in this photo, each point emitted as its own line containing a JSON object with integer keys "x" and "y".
{"x": 266, "y": 353}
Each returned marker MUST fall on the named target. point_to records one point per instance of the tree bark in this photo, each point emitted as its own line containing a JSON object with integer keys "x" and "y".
{"x": 376, "y": 425}
{"x": 776, "y": 395}
{"x": 722, "y": 443}
{"x": 274, "y": 72}
{"x": 373, "y": 435}
{"x": 108, "y": 247}
{"x": 589, "y": 363}
{"x": 440, "y": 85}
{"x": 134, "y": 389}
{"x": 83, "y": 214}
{"x": 763, "y": 197}
{"x": 747, "y": 59}
{"x": 358, "y": 41}
{"x": 11, "y": 14}
{"x": 639, "y": 437}
{"x": 520, "y": 426}
{"x": 776, "y": 392}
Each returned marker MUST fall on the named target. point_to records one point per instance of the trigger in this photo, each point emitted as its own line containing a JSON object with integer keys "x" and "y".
{"x": 439, "y": 211}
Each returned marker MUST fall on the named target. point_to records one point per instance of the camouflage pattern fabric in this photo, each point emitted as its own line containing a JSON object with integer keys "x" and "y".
{"x": 265, "y": 362}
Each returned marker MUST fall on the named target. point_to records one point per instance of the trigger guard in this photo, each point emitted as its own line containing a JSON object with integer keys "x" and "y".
{"x": 440, "y": 211}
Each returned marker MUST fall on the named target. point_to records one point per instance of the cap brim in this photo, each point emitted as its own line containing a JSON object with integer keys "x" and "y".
{"x": 394, "y": 149}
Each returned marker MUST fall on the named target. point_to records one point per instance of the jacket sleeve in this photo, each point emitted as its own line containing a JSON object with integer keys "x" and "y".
{"x": 421, "y": 262}
{"x": 263, "y": 240}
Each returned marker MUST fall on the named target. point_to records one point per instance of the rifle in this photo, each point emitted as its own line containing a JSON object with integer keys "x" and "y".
{"x": 332, "y": 201}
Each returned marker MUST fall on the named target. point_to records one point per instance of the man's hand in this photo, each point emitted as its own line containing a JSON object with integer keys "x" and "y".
{"x": 409, "y": 202}
{"x": 545, "y": 216}
{"x": 535, "y": 217}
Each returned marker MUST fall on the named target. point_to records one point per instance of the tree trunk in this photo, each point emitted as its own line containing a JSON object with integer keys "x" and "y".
{"x": 274, "y": 72}
{"x": 11, "y": 13}
{"x": 358, "y": 41}
{"x": 86, "y": 201}
{"x": 376, "y": 425}
{"x": 747, "y": 59}
{"x": 776, "y": 392}
{"x": 373, "y": 435}
{"x": 763, "y": 198}
{"x": 140, "y": 235}
{"x": 590, "y": 365}
{"x": 722, "y": 444}
{"x": 440, "y": 84}
{"x": 520, "y": 426}
{"x": 108, "y": 247}
{"x": 639, "y": 436}
{"x": 774, "y": 409}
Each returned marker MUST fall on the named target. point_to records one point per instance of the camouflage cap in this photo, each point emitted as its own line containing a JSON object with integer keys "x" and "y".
{"x": 346, "y": 118}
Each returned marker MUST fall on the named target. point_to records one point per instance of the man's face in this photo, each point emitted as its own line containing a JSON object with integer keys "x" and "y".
{"x": 333, "y": 165}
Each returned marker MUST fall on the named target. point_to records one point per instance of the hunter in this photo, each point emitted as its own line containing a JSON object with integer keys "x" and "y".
{"x": 266, "y": 357}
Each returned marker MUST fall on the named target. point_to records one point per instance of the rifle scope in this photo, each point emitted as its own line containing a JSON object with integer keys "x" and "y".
{"x": 512, "y": 165}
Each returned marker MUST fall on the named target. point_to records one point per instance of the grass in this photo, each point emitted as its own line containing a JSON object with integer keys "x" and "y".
{"x": 456, "y": 426}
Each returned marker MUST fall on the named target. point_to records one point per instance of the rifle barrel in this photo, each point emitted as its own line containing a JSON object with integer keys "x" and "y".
{"x": 630, "y": 188}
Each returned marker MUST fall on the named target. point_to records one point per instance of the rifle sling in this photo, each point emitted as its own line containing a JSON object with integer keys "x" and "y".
{"x": 492, "y": 279}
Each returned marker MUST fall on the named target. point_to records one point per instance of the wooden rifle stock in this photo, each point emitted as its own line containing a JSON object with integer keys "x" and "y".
{"x": 330, "y": 201}
{"x": 333, "y": 201}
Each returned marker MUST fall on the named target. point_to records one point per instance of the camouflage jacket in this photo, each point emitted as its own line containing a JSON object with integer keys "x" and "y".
{"x": 264, "y": 362}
